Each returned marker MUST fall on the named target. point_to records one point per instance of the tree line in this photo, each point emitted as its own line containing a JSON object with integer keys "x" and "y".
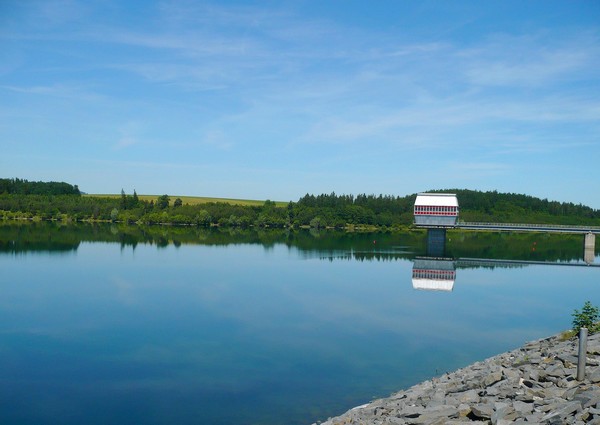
{"x": 25, "y": 187}
{"x": 494, "y": 206}
{"x": 316, "y": 211}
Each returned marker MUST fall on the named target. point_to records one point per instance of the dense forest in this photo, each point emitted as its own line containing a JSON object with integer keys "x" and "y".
{"x": 24, "y": 187}
{"x": 21, "y": 199}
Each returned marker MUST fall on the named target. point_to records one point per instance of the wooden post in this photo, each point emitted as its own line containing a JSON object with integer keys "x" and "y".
{"x": 583, "y": 333}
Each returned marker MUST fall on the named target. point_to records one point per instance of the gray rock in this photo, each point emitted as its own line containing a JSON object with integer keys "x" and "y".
{"x": 524, "y": 396}
{"x": 492, "y": 378}
{"x": 504, "y": 414}
{"x": 529, "y": 383}
{"x": 412, "y": 411}
{"x": 553, "y": 392}
{"x": 533, "y": 384}
{"x": 546, "y": 405}
{"x": 483, "y": 411}
{"x": 493, "y": 391}
{"x": 588, "y": 398}
{"x": 570, "y": 393}
{"x": 583, "y": 416}
{"x": 394, "y": 421}
{"x": 595, "y": 376}
{"x": 568, "y": 360}
{"x": 556, "y": 370}
{"x": 523, "y": 408}
{"x": 535, "y": 417}
{"x": 464, "y": 410}
{"x": 562, "y": 412}
{"x": 432, "y": 416}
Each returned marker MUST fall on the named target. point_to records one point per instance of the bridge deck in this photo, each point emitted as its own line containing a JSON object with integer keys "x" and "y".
{"x": 465, "y": 262}
{"x": 551, "y": 228}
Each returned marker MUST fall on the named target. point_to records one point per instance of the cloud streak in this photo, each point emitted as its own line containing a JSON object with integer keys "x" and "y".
{"x": 246, "y": 86}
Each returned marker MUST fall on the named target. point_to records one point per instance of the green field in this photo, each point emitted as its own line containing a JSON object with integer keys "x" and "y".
{"x": 193, "y": 200}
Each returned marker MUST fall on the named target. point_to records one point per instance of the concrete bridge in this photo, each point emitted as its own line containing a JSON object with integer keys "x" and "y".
{"x": 436, "y": 235}
{"x": 521, "y": 227}
{"x": 438, "y": 212}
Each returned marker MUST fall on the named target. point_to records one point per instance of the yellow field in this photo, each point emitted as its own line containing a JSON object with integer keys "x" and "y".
{"x": 192, "y": 200}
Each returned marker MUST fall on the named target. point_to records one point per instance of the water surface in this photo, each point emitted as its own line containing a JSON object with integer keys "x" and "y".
{"x": 165, "y": 325}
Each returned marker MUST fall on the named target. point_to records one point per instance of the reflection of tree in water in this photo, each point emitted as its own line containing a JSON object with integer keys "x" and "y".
{"x": 335, "y": 245}
{"x": 29, "y": 238}
{"x": 19, "y": 246}
{"x": 515, "y": 246}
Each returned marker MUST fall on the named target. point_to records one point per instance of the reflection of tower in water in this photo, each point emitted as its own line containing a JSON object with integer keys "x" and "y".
{"x": 436, "y": 274}
{"x": 436, "y": 242}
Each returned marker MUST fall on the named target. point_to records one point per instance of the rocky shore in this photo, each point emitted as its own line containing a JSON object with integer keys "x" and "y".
{"x": 533, "y": 384}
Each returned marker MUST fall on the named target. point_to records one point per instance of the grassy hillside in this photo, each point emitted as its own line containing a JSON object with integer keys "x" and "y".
{"x": 194, "y": 200}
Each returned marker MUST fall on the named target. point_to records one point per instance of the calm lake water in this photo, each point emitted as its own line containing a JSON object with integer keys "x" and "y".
{"x": 164, "y": 325}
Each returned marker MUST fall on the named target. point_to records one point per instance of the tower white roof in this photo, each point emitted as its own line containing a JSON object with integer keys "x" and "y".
{"x": 433, "y": 284}
{"x": 437, "y": 199}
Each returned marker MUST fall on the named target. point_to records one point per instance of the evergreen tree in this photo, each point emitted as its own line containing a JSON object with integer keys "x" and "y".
{"x": 123, "y": 200}
{"x": 163, "y": 202}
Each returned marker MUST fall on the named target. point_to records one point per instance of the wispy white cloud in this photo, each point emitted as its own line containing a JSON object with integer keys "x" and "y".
{"x": 192, "y": 44}
{"x": 191, "y": 77}
{"x": 479, "y": 167}
{"x": 233, "y": 84}
{"x": 39, "y": 16}
{"x": 217, "y": 139}
{"x": 533, "y": 61}
{"x": 438, "y": 117}
{"x": 61, "y": 90}
{"x": 128, "y": 135}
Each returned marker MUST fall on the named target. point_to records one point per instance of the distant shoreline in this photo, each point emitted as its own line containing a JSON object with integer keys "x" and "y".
{"x": 22, "y": 199}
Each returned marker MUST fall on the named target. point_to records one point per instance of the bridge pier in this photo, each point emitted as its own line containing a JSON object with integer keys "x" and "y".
{"x": 589, "y": 247}
{"x": 436, "y": 242}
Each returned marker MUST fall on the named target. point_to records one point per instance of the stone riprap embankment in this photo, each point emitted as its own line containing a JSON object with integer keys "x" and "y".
{"x": 533, "y": 384}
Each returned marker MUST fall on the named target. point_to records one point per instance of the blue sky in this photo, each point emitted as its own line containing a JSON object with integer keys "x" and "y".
{"x": 272, "y": 100}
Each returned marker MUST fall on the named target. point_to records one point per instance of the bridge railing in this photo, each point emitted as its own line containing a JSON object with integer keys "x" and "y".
{"x": 529, "y": 226}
